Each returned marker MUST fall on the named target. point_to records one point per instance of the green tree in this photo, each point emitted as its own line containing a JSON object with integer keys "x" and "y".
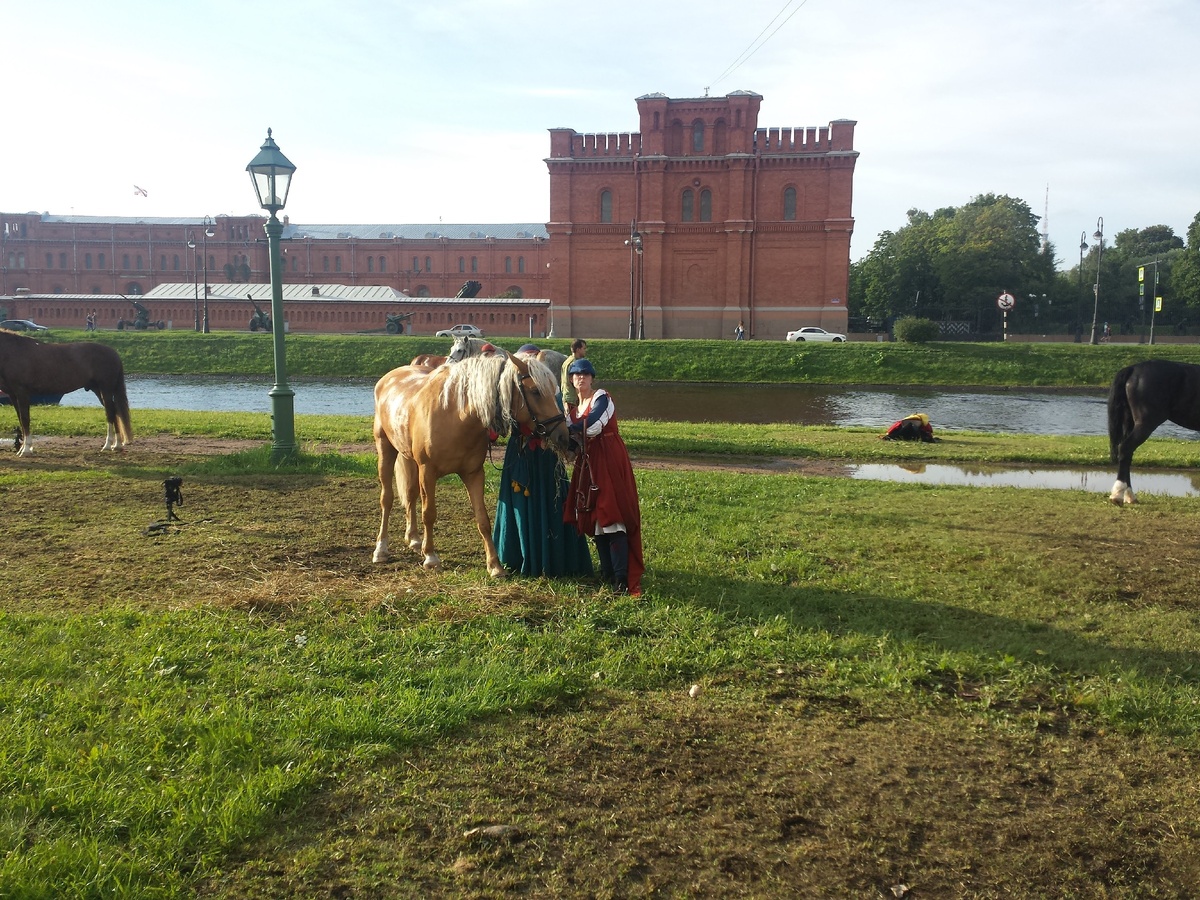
{"x": 1185, "y": 271}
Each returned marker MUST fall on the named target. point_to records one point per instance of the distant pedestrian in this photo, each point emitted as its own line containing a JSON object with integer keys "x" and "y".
{"x": 739, "y": 333}
{"x": 570, "y": 398}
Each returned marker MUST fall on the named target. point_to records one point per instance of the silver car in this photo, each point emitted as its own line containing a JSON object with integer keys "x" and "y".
{"x": 813, "y": 333}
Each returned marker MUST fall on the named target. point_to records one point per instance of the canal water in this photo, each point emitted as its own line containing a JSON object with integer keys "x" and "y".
{"x": 1024, "y": 411}
{"x": 1066, "y": 412}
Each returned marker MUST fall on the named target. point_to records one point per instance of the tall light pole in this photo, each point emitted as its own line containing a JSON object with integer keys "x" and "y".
{"x": 1099, "y": 237}
{"x": 641, "y": 261}
{"x": 208, "y": 232}
{"x": 191, "y": 245}
{"x": 271, "y": 173}
{"x": 1154, "y": 298}
{"x": 635, "y": 249}
{"x": 1083, "y": 245}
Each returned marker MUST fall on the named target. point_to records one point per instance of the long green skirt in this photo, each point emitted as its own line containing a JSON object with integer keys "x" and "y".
{"x": 529, "y": 532}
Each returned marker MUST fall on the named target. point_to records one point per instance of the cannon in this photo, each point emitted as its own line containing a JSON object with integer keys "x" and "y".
{"x": 260, "y": 319}
{"x": 468, "y": 290}
{"x": 395, "y": 322}
{"x": 141, "y": 319}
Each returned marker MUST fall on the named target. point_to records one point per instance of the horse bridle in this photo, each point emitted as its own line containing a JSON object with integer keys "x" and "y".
{"x": 541, "y": 427}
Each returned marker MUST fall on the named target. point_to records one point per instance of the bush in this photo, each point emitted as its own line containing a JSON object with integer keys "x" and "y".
{"x": 912, "y": 330}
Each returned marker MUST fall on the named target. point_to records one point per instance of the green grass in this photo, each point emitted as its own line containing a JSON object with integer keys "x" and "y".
{"x": 940, "y": 363}
{"x": 168, "y": 699}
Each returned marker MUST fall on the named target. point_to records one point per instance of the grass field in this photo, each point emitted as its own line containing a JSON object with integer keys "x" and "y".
{"x": 830, "y": 687}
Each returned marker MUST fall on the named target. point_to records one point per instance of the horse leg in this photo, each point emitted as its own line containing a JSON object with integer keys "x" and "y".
{"x": 111, "y": 440}
{"x": 410, "y": 486}
{"x": 1122, "y": 490}
{"x": 20, "y": 403}
{"x": 386, "y": 455}
{"x": 474, "y": 483}
{"x": 428, "y": 486}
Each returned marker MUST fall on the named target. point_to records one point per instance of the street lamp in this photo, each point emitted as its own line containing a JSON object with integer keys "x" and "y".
{"x": 1153, "y": 294}
{"x": 191, "y": 245}
{"x": 271, "y": 172}
{"x": 635, "y": 249}
{"x": 1083, "y": 245}
{"x": 1099, "y": 237}
{"x": 208, "y": 232}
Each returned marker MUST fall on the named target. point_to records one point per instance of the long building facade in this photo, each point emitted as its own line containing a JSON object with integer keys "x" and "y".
{"x": 696, "y": 222}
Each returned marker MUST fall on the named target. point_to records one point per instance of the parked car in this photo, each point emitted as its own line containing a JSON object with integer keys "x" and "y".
{"x": 460, "y": 331}
{"x": 813, "y": 333}
{"x": 22, "y": 325}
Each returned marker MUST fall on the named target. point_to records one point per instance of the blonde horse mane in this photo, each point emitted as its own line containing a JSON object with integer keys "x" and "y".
{"x": 483, "y": 386}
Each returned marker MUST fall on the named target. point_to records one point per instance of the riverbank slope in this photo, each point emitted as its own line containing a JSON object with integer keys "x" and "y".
{"x": 777, "y": 362}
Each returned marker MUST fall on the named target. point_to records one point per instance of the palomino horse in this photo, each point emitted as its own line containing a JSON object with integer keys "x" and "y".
{"x": 463, "y": 348}
{"x": 435, "y": 422}
{"x": 29, "y": 367}
{"x": 1141, "y": 398}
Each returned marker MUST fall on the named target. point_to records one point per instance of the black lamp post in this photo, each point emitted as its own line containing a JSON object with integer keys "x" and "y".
{"x": 1099, "y": 237}
{"x": 271, "y": 173}
{"x": 634, "y": 243}
{"x": 208, "y": 232}
{"x": 1083, "y": 245}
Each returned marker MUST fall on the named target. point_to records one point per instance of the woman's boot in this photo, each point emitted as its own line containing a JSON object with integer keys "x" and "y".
{"x": 604, "y": 553}
{"x": 618, "y": 548}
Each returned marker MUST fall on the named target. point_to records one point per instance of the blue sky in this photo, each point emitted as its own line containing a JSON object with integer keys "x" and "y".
{"x": 418, "y": 112}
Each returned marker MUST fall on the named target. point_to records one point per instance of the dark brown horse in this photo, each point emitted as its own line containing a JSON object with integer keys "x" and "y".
{"x": 1141, "y": 398}
{"x": 435, "y": 422}
{"x": 29, "y": 367}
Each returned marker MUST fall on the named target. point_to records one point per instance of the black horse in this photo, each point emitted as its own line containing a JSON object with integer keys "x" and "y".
{"x": 1141, "y": 398}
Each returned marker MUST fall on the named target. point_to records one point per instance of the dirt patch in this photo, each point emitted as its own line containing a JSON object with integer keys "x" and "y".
{"x": 178, "y": 446}
{"x": 753, "y": 788}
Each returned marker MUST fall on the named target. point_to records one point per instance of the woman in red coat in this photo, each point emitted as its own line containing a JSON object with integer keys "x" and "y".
{"x": 603, "y": 501}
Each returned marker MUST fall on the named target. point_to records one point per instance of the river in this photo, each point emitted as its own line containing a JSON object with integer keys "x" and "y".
{"x": 1017, "y": 411}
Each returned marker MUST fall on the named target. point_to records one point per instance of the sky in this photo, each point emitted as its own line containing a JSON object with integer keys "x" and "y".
{"x": 395, "y": 111}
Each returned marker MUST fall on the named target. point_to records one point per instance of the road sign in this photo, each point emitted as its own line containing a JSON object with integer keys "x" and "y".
{"x": 1006, "y": 301}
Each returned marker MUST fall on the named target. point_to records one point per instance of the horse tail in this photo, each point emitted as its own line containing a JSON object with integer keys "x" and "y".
{"x": 1120, "y": 417}
{"x": 121, "y": 407}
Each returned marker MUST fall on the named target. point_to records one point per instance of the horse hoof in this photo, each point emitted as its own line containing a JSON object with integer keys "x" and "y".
{"x": 498, "y": 572}
{"x": 432, "y": 562}
{"x": 378, "y": 557}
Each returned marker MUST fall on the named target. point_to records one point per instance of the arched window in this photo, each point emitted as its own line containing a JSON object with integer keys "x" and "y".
{"x": 125, "y": 261}
{"x": 508, "y": 264}
{"x": 474, "y": 264}
{"x": 698, "y": 136}
{"x": 521, "y": 264}
{"x": 337, "y": 264}
{"x": 139, "y": 262}
{"x": 174, "y": 262}
{"x": 789, "y": 204}
{"x": 429, "y": 264}
{"x": 370, "y": 264}
{"x": 462, "y": 264}
{"x": 383, "y": 264}
{"x": 706, "y": 206}
{"x": 687, "y": 212}
{"x": 416, "y": 264}
{"x": 606, "y": 206}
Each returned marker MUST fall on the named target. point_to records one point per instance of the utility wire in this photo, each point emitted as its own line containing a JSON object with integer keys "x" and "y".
{"x": 758, "y": 43}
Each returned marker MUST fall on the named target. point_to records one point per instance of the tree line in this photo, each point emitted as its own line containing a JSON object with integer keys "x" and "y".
{"x": 952, "y": 265}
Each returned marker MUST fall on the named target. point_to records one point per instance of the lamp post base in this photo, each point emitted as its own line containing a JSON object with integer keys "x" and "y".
{"x": 283, "y": 423}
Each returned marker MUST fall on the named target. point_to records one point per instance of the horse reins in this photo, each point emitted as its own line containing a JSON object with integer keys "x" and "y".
{"x": 540, "y": 427}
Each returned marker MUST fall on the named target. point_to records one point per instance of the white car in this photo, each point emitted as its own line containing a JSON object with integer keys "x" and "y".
{"x": 460, "y": 331}
{"x": 813, "y": 333}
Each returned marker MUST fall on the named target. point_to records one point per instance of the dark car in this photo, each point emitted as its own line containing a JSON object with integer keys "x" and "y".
{"x": 22, "y": 325}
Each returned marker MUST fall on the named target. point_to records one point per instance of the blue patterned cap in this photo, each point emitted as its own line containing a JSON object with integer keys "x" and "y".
{"x": 581, "y": 367}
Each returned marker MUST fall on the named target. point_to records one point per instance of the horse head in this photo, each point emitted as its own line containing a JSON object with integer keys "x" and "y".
{"x": 466, "y": 346}
{"x": 539, "y": 405}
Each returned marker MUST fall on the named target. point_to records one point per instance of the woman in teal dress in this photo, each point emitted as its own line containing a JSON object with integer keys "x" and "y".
{"x": 529, "y": 532}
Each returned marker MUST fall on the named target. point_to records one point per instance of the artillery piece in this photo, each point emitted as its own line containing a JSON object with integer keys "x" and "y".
{"x": 395, "y": 322}
{"x": 260, "y": 319}
{"x": 141, "y": 319}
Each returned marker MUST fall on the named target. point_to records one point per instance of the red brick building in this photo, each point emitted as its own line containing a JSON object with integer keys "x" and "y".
{"x": 735, "y": 223}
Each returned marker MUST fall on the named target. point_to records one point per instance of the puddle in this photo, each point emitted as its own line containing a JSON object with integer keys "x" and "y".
{"x": 1093, "y": 481}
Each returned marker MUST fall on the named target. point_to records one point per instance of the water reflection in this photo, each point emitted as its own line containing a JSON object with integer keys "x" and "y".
{"x": 1020, "y": 412}
{"x": 1173, "y": 484}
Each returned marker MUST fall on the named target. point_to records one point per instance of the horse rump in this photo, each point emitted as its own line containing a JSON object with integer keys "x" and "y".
{"x": 1120, "y": 416}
